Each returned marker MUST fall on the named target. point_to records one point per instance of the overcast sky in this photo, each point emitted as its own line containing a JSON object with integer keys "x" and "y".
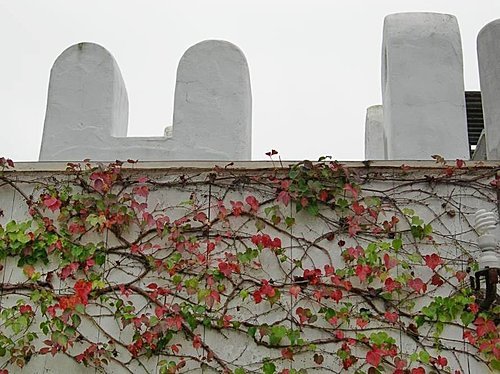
{"x": 314, "y": 65}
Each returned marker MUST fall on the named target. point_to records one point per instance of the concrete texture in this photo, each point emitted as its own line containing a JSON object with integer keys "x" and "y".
{"x": 375, "y": 147}
{"x": 87, "y": 104}
{"x": 213, "y": 106}
{"x": 488, "y": 50}
{"x": 422, "y": 87}
{"x": 87, "y": 108}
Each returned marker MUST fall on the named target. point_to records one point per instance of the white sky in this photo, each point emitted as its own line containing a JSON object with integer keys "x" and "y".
{"x": 314, "y": 65}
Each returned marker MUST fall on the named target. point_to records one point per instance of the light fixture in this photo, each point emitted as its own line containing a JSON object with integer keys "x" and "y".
{"x": 489, "y": 259}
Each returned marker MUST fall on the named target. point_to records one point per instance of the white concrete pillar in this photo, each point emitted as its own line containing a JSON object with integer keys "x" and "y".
{"x": 488, "y": 50}
{"x": 87, "y": 108}
{"x": 87, "y": 104}
{"x": 375, "y": 148}
{"x": 213, "y": 101}
{"x": 422, "y": 87}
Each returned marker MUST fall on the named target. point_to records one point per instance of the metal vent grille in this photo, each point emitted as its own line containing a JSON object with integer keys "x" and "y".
{"x": 475, "y": 120}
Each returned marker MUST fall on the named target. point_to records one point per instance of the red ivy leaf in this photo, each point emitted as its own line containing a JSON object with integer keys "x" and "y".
{"x": 25, "y": 309}
{"x": 373, "y": 358}
{"x": 124, "y": 291}
{"x": 160, "y": 311}
{"x": 295, "y": 290}
{"x": 287, "y": 354}
{"x": 329, "y": 270}
{"x": 175, "y": 348}
{"x": 460, "y": 275}
{"x": 28, "y": 270}
{"x": 433, "y": 261}
{"x": 389, "y": 262}
{"x": 254, "y": 204}
{"x": 357, "y": 208}
{"x": 318, "y": 295}
{"x": 175, "y": 322}
{"x": 419, "y": 370}
{"x": 52, "y": 203}
{"x": 442, "y": 361}
{"x": 201, "y": 217}
{"x": 362, "y": 271}
{"x": 400, "y": 364}
{"x": 361, "y": 323}
{"x": 323, "y": 195}
{"x": 484, "y": 327}
{"x": 237, "y": 208}
{"x": 390, "y": 284}
{"x": 436, "y": 280}
{"x": 448, "y": 171}
{"x": 284, "y": 197}
{"x": 348, "y": 187}
{"x": 474, "y": 308}
{"x": 417, "y": 284}
{"x": 82, "y": 289}
{"x": 391, "y": 317}
{"x": 257, "y": 297}
{"x": 197, "y": 341}
{"x": 336, "y": 295}
{"x": 141, "y": 191}
{"x": 6, "y": 161}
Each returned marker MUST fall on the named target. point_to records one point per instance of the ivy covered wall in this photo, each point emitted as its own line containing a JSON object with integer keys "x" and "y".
{"x": 244, "y": 268}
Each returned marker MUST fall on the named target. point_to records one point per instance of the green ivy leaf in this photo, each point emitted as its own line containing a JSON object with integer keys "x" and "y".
{"x": 397, "y": 244}
{"x": 244, "y": 294}
{"x": 495, "y": 364}
{"x": 277, "y": 333}
{"x": 80, "y": 308}
{"x": 467, "y": 318}
{"x": 424, "y": 357}
{"x": 289, "y": 221}
{"x": 269, "y": 368}
{"x": 76, "y": 320}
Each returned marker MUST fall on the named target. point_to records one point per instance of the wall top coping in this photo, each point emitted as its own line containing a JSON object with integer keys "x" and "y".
{"x": 55, "y": 166}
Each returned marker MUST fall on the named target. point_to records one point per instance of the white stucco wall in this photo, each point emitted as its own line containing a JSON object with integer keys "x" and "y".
{"x": 87, "y": 108}
{"x": 447, "y": 204}
{"x": 375, "y": 141}
{"x": 488, "y": 50}
{"x": 423, "y": 88}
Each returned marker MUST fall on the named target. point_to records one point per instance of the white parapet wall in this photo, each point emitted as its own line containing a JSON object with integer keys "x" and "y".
{"x": 375, "y": 142}
{"x": 423, "y": 88}
{"x": 488, "y": 50}
{"x": 87, "y": 108}
{"x": 213, "y": 107}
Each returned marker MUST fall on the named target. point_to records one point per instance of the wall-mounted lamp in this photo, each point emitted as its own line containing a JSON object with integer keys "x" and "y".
{"x": 489, "y": 259}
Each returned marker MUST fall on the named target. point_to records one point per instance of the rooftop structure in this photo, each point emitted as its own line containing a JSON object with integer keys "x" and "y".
{"x": 425, "y": 109}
